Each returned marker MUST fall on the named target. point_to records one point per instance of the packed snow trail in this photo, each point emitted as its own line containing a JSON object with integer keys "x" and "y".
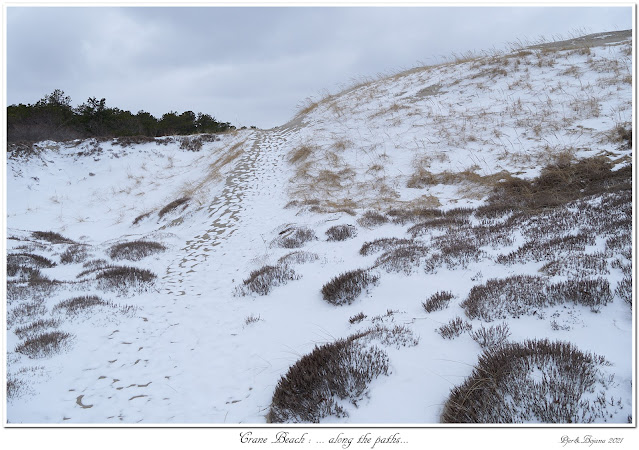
{"x": 170, "y": 364}
{"x": 224, "y": 210}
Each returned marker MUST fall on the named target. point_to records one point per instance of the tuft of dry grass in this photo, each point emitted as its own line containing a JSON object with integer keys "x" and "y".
{"x": 300, "y": 154}
{"x": 175, "y": 204}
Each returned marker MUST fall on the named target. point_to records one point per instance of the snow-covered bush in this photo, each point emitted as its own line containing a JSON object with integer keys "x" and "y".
{"x": 534, "y": 381}
{"x": 341, "y": 232}
{"x": 457, "y": 250}
{"x": 294, "y": 237}
{"x": 454, "y": 328}
{"x": 29, "y": 260}
{"x": 51, "y": 236}
{"x": 191, "y": 143}
{"x": 298, "y": 257}
{"x": 405, "y": 258}
{"x": 624, "y": 290}
{"x": 45, "y": 344}
{"x": 437, "y": 301}
{"x": 124, "y": 278}
{"x": 74, "y": 254}
{"x": 492, "y": 336}
{"x": 507, "y": 297}
{"x": 357, "y": 318}
{"x": 382, "y": 244}
{"x": 345, "y": 288}
{"x": 405, "y": 215}
{"x": 440, "y": 223}
{"x": 264, "y": 279}
{"x": 313, "y": 387}
{"x": 77, "y": 305}
{"x": 135, "y": 250}
{"x": 372, "y": 219}
{"x": 35, "y": 327}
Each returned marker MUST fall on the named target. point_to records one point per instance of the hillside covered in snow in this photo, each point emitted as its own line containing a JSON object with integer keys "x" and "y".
{"x": 451, "y": 243}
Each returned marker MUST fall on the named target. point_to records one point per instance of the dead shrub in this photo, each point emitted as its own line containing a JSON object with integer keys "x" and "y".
{"x": 45, "y": 344}
{"x": 536, "y": 381}
{"x": 383, "y": 244}
{"x": 264, "y": 279}
{"x": 624, "y": 290}
{"x": 74, "y": 306}
{"x": 135, "y": 250}
{"x": 29, "y": 260}
{"x": 579, "y": 265}
{"x": 298, "y": 257}
{"x": 124, "y": 278}
{"x": 251, "y": 319}
{"x": 405, "y": 215}
{"x": 341, "y": 232}
{"x": 35, "y": 327}
{"x": 524, "y": 294}
{"x": 405, "y": 258}
{"x": 372, "y": 219}
{"x": 36, "y": 291}
{"x": 191, "y": 143}
{"x": 345, "y": 288}
{"x": 74, "y": 254}
{"x": 51, "y": 236}
{"x": 24, "y": 273}
{"x": 508, "y": 297}
{"x": 397, "y": 336}
{"x": 357, "y": 318}
{"x": 437, "y": 301}
{"x": 294, "y": 237}
{"x": 175, "y": 204}
{"x": 443, "y": 223}
{"x": 15, "y": 387}
{"x": 492, "y": 336}
{"x": 458, "y": 251}
{"x": 539, "y": 250}
{"x": 26, "y": 311}
{"x": 454, "y": 328}
{"x": 129, "y": 141}
{"x": 313, "y": 387}
{"x": 593, "y": 293}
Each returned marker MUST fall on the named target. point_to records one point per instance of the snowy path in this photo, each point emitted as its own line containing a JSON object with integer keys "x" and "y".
{"x": 223, "y": 211}
{"x": 171, "y": 363}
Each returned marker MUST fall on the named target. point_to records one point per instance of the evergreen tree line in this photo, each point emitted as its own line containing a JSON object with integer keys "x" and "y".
{"x": 53, "y": 118}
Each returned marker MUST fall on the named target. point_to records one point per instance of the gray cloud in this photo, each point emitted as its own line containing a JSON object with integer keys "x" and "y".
{"x": 250, "y": 65}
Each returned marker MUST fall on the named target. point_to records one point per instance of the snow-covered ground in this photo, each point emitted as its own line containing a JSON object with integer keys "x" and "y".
{"x": 192, "y": 349}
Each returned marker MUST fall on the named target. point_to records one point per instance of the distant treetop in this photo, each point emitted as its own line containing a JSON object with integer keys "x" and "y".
{"x": 53, "y": 118}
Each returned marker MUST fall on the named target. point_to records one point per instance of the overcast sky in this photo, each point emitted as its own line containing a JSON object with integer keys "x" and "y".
{"x": 250, "y": 65}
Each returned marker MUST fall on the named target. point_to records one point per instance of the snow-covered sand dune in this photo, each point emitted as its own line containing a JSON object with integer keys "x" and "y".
{"x": 409, "y": 156}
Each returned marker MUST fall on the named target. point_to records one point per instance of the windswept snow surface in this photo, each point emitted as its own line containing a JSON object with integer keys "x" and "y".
{"x": 192, "y": 351}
